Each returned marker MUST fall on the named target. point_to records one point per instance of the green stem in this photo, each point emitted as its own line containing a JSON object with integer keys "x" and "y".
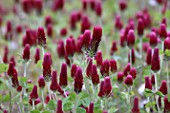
{"x": 156, "y": 89}
{"x": 42, "y": 50}
{"x": 128, "y": 99}
{"x": 25, "y": 69}
{"x": 42, "y": 94}
{"x": 10, "y": 105}
{"x": 33, "y": 106}
{"x": 105, "y": 103}
{"x": 48, "y": 85}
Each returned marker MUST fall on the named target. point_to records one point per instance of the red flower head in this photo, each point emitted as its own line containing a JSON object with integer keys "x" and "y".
{"x": 101, "y": 91}
{"x": 15, "y": 82}
{"x": 91, "y": 107}
{"x": 11, "y": 69}
{"x": 107, "y": 88}
{"x": 105, "y": 68}
{"x": 140, "y": 27}
{"x": 149, "y": 56}
{"x": 92, "y": 4}
{"x": 155, "y": 63}
{"x": 122, "y": 5}
{"x": 41, "y": 36}
{"x": 163, "y": 88}
{"x": 37, "y": 55}
{"x": 135, "y": 108}
{"x": 49, "y": 30}
{"x": 73, "y": 20}
{"x": 79, "y": 44}
{"x": 153, "y": 39}
{"x": 38, "y": 4}
{"x": 69, "y": 47}
{"x": 63, "y": 75}
{"x": 59, "y": 107}
{"x": 118, "y": 23}
{"x": 167, "y": 43}
{"x": 98, "y": 8}
{"x": 13, "y": 60}
{"x": 18, "y": 29}
{"x": 5, "y": 57}
{"x": 120, "y": 76}
{"x": 26, "y": 52}
{"x": 84, "y": 4}
{"x": 63, "y": 32}
{"x": 48, "y": 20}
{"x": 89, "y": 68}
{"x": 97, "y": 35}
{"x": 54, "y": 83}
{"x": 113, "y": 65}
{"x": 113, "y": 48}
{"x": 162, "y": 31}
{"x": 126, "y": 69}
{"x": 98, "y": 58}
{"x": 131, "y": 39}
{"x": 128, "y": 80}
{"x": 27, "y": 6}
{"x": 29, "y": 38}
{"x": 19, "y": 88}
{"x": 47, "y": 62}
{"x": 86, "y": 39}
{"x": 73, "y": 70}
{"x": 123, "y": 40}
{"x": 78, "y": 81}
{"x": 85, "y": 24}
{"x": 153, "y": 80}
{"x": 41, "y": 82}
{"x": 167, "y": 105}
{"x": 34, "y": 93}
{"x": 133, "y": 55}
{"x": 148, "y": 83}
{"x": 60, "y": 49}
{"x": 58, "y": 5}
{"x": 95, "y": 76}
{"x": 133, "y": 72}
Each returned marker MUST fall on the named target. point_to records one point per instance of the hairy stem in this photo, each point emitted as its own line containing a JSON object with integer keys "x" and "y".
{"x": 42, "y": 94}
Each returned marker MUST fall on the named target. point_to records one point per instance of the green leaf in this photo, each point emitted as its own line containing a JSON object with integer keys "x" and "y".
{"x": 39, "y": 64}
{"x": 167, "y": 52}
{"x": 67, "y": 106}
{"x": 35, "y": 111}
{"x": 147, "y": 70}
{"x": 123, "y": 95}
{"x": 46, "y": 111}
{"x": 148, "y": 92}
{"x": 161, "y": 52}
{"x": 168, "y": 97}
{"x": 83, "y": 95}
{"x": 97, "y": 110}
{"x": 145, "y": 39}
{"x": 72, "y": 96}
{"x": 113, "y": 110}
{"x": 6, "y": 98}
{"x": 159, "y": 94}
{"x": 16, "y": 97}
{"x": 51, "y": 105}
{"x": 80, "y": 110}
{"x": 3, "y": 68}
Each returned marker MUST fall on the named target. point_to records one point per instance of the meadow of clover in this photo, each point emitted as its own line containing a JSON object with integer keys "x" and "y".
{"x": 84, "y": 56}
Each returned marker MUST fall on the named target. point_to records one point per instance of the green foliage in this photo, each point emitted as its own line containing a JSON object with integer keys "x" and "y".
{"x": 51, "y": 105}
{"x": 3, "y": 68}
{"x": 35, "y": 111}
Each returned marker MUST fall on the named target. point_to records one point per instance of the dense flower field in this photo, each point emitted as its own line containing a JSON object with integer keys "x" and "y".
{"x": 84, "y": 56}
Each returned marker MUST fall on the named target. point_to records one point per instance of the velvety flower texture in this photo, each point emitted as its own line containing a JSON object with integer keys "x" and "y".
{"x": 128, "y": 80}
{"x": 59, "y": 107}
{"x": 78, "y": 81}
{"x": 148, "y": 83}
{"x": 41, "y": 82}
{"x": 63, "y": 75}
{"x": 107, "y": 87}
{"x": 155, "y": 63}
{"x": 135, "y": 108}
{"x": 95, "y": 76}
{"x": 41, "y": 36}
{"x": 47, "y": 62}
{"x": 26, "y": 52}
{"x": 34, "y": 93}
{"x": 163, "y": 88}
